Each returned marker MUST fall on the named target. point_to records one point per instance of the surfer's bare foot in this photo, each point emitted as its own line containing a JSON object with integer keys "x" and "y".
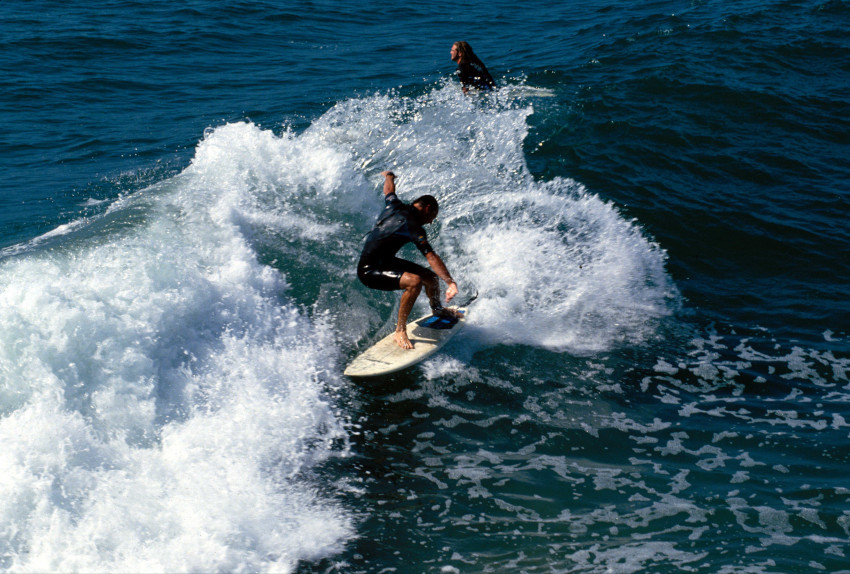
{"x": 402, "y": 340}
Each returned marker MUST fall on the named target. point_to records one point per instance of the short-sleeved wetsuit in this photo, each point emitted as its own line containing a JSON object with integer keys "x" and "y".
{"x": 475, "y": 75}
{"x": 379, "y": 268}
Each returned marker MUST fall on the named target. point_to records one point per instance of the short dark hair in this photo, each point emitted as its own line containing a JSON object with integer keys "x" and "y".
{"x": 428, "y": 201}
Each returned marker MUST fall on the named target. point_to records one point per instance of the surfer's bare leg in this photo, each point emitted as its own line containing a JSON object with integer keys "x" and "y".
{"x": 412, "y": 285}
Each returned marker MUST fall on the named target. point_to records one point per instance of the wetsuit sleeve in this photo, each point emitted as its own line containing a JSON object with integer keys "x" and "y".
{"x": 391, "y": 200}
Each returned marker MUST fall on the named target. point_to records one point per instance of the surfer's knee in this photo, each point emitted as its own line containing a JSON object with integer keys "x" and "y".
{"x": 410, "y": 282}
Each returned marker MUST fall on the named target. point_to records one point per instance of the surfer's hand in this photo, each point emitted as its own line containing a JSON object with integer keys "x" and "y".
{"x": 451, "y": 291}
{"x": 389, "y": 182}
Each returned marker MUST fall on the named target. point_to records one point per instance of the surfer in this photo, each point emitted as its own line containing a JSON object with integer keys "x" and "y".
{"x": 470, "y": 69}
{"x": 379, "y": 268}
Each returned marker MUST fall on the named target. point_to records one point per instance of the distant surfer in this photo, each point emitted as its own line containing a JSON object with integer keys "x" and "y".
{"x": 470, "y": 69}
{"x": 379, "y": 268}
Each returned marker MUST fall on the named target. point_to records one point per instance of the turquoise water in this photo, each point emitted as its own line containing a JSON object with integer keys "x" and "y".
{"x": 653, "y": 210}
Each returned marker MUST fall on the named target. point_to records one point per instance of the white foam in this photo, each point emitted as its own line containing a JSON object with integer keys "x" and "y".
{"x": 173, "y": 401}
{"x": 580, "y": 277}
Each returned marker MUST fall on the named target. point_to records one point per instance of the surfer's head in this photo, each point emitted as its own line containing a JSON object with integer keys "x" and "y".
{"x": 427, "y": 207}
{"x": 462, "y": 52}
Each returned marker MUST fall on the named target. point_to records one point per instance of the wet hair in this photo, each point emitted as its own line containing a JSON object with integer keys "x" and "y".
{"x": 465, "y": 52}
{"x": 428, "y": 201}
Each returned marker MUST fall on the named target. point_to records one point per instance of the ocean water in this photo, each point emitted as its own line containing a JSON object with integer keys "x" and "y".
{"x": 653, "y": 207}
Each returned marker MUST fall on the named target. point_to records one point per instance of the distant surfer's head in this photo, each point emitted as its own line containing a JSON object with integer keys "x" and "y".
{"x": 427, "y": 207}
{"x": 462, "y": 52}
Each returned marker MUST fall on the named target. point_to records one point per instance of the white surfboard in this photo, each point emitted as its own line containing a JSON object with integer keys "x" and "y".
{"x": 428, "y": 334}
{"x": 522, "y": 91}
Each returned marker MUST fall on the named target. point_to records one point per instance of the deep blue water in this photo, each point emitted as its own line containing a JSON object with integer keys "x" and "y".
{"x": 653, "y": 208}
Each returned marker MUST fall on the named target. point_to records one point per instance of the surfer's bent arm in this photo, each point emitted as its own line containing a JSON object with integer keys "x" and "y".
{"x": 389, "y": 182}
{"x": 442, "y": 272}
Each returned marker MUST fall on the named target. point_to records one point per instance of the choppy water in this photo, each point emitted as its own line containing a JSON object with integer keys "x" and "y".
{"x": 653, "y": 209}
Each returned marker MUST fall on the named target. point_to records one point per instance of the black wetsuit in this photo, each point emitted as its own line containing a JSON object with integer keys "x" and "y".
{"x": 379, "y": 268}
{"x": 474, "y": 74}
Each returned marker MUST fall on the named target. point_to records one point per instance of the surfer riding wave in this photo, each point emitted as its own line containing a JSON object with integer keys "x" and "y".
{"x": 379, "y": 268}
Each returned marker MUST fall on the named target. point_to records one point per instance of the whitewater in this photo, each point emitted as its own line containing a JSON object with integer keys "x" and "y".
{"x": 174, "y": 362}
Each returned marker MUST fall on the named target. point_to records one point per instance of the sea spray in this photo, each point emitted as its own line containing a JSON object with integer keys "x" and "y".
{"x": 163, "y": 400}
